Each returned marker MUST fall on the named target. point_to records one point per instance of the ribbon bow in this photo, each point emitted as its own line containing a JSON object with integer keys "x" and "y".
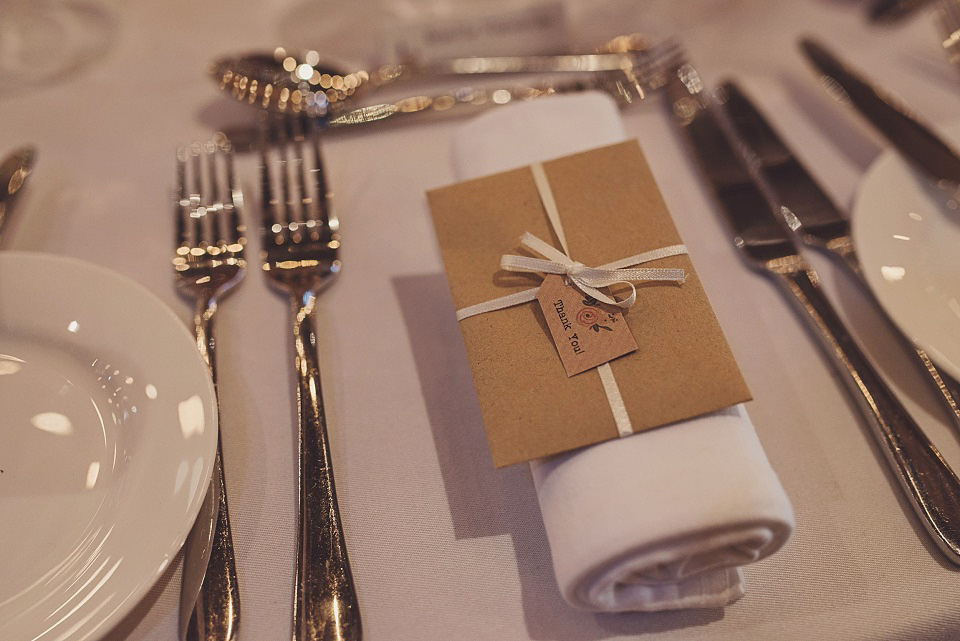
{"x": 587, "y": 279}
{"x": 590, "y": 279}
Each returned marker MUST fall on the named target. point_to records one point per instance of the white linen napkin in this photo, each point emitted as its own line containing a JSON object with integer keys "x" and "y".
{"x": 662, "y": 519}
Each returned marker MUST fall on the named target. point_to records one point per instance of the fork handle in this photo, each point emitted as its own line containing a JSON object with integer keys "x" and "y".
{"x": 325, "y": 603}
{"x": 216, "y": 612}
{"x": 930, "y": 485}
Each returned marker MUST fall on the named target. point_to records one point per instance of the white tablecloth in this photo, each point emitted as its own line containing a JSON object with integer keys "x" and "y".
{"x": 443, "y": 546}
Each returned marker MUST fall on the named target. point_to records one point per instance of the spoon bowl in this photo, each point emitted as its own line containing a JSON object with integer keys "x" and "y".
{"x": 281, "y": 82}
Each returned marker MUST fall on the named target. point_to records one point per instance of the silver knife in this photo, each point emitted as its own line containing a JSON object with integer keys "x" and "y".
{"x": 14, "y": 170}
{"x": 763, "y": 239}
{"x": 810, "y": 213}
{"x": 915, "y": 140}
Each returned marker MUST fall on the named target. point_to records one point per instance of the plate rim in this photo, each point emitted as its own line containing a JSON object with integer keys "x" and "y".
{"x": 889, "y": 159}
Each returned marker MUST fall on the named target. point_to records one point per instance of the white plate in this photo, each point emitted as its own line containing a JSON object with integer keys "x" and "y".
{"x": 107, "y": 438}
{"x": 907, "y": 233}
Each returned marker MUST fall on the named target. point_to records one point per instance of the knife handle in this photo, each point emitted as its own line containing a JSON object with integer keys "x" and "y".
{"x": 930, "y": 485}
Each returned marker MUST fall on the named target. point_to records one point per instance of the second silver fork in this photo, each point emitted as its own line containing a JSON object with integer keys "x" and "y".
{"x": 209, "y": 262}
{"x": 301, "y": 244}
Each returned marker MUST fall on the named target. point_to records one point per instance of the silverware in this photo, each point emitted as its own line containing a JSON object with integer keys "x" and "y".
{"x": 764, "y": 241}
{"x": 14, "y": 170}
{"x": 301, "y": 242}
{"x": 281, "y": 70}
{"x": 911, "y": 137}
{"x": 208, "y": 263}
{"x": 810, "y": 213}
{"x": 280, "y": 93}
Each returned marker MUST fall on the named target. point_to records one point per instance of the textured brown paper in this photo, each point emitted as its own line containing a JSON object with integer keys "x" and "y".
{"x": 586, "y": 333}
{"x": 610, "y": 208}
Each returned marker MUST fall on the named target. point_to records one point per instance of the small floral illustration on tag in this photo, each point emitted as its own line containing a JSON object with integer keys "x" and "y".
{"x": 586, "y": 332}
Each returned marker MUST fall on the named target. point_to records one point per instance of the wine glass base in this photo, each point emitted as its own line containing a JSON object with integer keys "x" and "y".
{"x": 46, "y": 40}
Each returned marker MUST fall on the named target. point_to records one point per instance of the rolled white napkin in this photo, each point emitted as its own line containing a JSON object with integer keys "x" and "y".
{"x": 665, "y": 518}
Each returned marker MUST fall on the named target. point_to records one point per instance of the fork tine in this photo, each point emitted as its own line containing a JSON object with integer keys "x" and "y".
{"x": 195, "y": 183}
{"x": 299, "y": 169}
{"x": 281, "y": 140}
{"x": 233, "y": 201}
{"x": 221, "y": 212}
{"x": 183, "y": 204}
{"x": 269, "y": 204}
{"x": 326, "y": 215}
{"x": 220, "y": 167}
{"x": 213, "y": 193}
{"x": 198, "y": 213}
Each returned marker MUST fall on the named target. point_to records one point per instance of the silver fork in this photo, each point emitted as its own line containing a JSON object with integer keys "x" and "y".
{"x": 300, "y": 256}
{"x": 208, "y": 263}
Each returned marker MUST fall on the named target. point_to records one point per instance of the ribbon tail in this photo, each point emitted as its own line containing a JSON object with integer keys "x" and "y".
{"x": 503, "y": 302}
{"x": 617, "y": 406}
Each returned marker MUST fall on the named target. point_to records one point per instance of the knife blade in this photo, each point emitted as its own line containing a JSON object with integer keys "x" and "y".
{"x": 929, "y": 484}
{"x": 14, "y": 170}
{"x": 914, "y": 139}
{"x": 807, "y": 209}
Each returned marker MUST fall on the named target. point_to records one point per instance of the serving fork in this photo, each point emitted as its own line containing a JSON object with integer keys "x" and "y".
{"x": 301, "y": 241}
{"x": 627, "y": 84}
{"x": 208, "y": 263}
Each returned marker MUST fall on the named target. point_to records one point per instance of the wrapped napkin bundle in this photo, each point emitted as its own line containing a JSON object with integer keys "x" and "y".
{"x": 658, "y": 520}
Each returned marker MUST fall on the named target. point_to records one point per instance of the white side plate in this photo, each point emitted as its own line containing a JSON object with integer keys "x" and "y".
{"x": 907, "y": 234}
{"x": 107, "y": 441}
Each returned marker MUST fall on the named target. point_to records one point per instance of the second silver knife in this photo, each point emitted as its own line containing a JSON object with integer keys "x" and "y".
{"x": 915, "y": 140}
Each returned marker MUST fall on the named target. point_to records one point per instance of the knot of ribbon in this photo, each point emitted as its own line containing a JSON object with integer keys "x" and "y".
{"x": 589, "y": 280}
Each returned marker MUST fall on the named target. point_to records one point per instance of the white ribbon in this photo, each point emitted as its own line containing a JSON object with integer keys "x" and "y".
{"x": 586, "y": 279}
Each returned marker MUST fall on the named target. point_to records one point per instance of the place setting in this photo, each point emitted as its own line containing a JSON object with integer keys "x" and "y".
{"x": 480, "y": 340}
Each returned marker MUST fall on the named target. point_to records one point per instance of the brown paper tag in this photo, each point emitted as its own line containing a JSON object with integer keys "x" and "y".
{"x": 586, "y": 332}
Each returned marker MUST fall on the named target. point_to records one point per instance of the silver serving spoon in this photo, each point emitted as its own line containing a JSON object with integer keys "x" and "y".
{"x": 14, "y": 170}
{"x": 285, "y": 84}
